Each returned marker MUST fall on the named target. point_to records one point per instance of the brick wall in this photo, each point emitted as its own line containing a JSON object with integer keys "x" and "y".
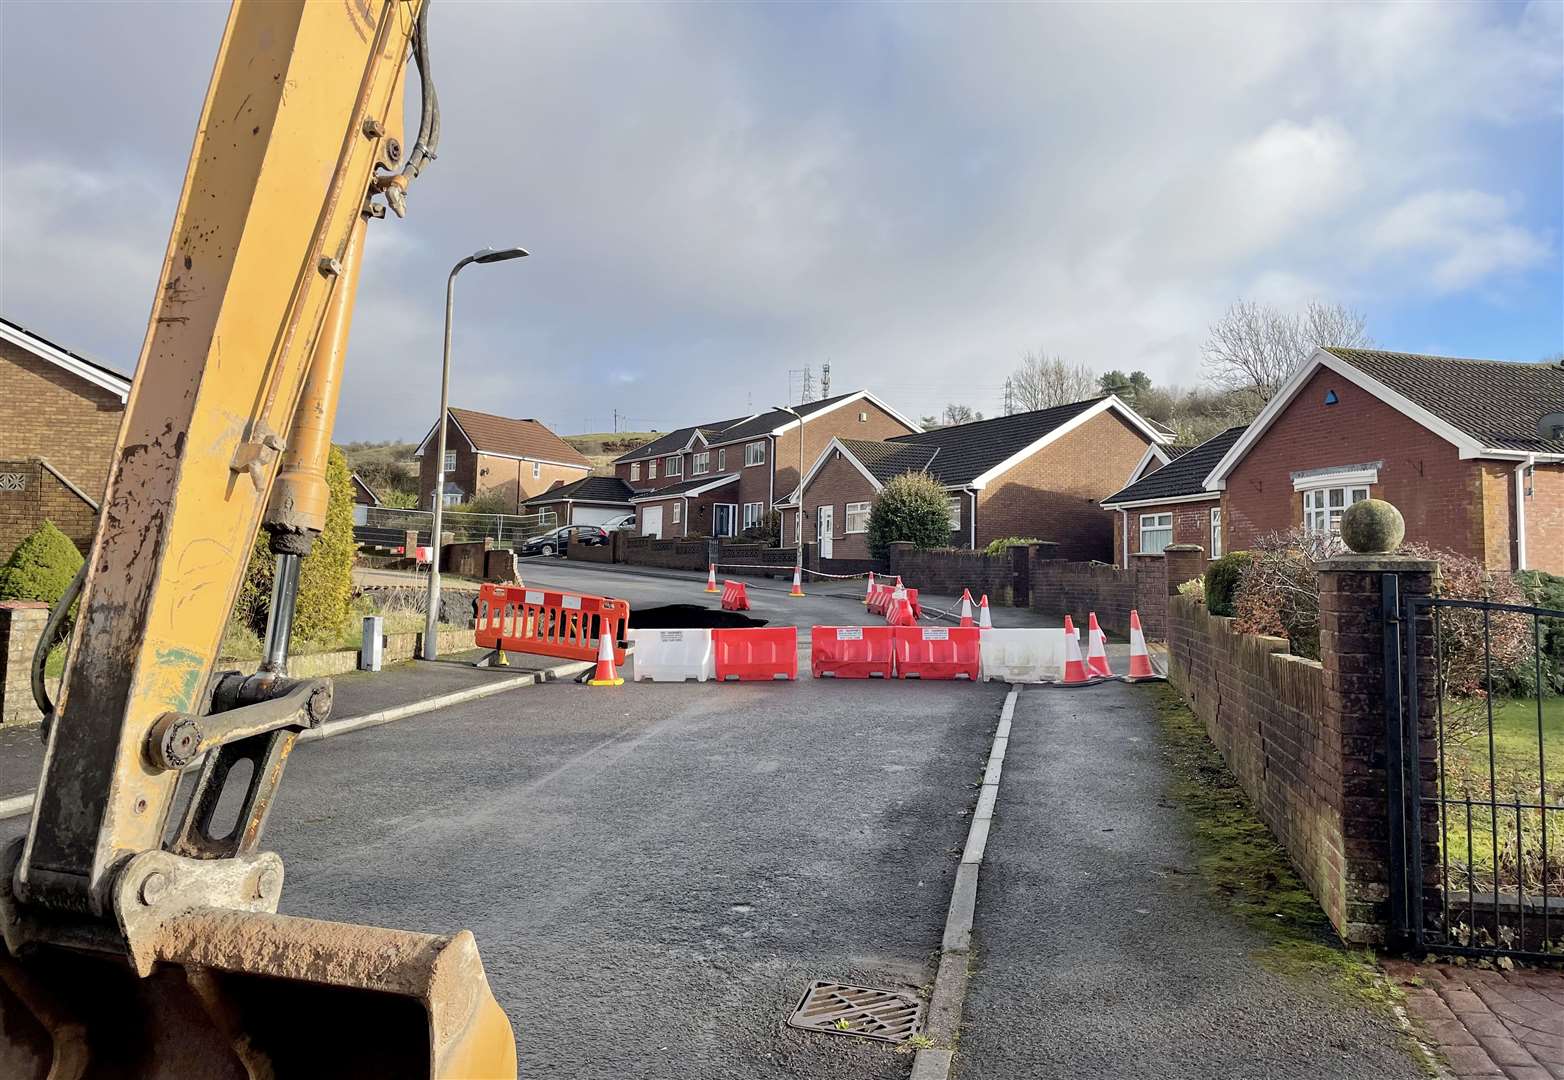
{"x": 512, "y": 478}
{"x": 948, "y": 572}
{"x": 464, "y": 476}
{"x": 1077, "y": 588}
{"x": 42, "y": 497}
{"x": 1054, "y": 494}
{"x": 836, "y": 484}
{"x": 21, "y": 625}
{"x": 841, "y": 422}
{"x": 1545, "y": 519}
{"x": 1191, "y": 525}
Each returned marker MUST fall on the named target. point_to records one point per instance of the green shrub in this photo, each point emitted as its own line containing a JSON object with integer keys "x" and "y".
{"x": 1000, "y": 546}
{"x": 325, "y": 576}
{"x": 1222, "y": 581}
{"x": 41, "y": 568}
{"x": 488, "y": 502}
{"x": 1194, "y": 587}
{"x": 911, "y": 507}
{"x": 1546, "y": 590}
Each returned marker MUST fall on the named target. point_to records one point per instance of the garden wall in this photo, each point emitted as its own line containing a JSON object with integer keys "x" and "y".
{"x": 949, "y": 570}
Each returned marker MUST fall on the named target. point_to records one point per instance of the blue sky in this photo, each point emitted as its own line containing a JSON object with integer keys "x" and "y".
{"x": 917, "y": 193}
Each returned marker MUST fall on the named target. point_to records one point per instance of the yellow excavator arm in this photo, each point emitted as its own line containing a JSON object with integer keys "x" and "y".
{"x": 141, "y": 936}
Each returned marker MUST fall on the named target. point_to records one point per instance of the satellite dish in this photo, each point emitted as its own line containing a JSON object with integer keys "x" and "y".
{"x": 1551, "y": 426}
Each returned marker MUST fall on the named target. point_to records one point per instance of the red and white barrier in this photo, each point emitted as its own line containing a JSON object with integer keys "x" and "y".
{"x": 735, "y": 597}
{"x": 937, "y": 652}
{"x": 852, "y": 652}
{"x": 1024, "y": 654}
{"x": 758, "y": 654}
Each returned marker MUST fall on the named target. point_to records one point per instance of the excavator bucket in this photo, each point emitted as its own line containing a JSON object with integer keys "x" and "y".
{"x": 255, "y": 996}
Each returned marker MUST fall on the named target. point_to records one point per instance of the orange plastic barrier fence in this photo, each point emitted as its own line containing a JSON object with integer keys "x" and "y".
{"x": 937, "y": 652}
{"x": 880, "y": 598}
{"x": 548, "y": 623}
{"x": 759, "y": 654}
{"x": 851, "y": 652}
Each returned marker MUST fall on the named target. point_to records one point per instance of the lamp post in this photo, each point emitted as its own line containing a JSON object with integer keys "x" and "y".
{"x": 798, "y": 524}
{"x": 432, "y": 618}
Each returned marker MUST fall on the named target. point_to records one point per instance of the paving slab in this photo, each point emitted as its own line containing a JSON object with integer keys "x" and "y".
{"x": 1097, "y": 950}
{"x": 1488, "y": 1023}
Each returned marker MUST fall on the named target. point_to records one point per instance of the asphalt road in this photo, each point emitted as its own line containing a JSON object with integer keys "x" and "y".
{"x": 1099, "y": 951}
{"x": 655, "y": 873}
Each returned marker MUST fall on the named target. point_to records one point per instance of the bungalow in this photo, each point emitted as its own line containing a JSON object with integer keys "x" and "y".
{"x": 1470, "y": 451}
{"x": 487, "y": 454}
{"x": 594, "y": 500}
{"x": 1171, "y": 504}
{"x": 1036, "y": 474}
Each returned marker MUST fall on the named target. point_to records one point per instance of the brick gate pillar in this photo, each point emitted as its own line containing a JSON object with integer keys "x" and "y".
{"x": 1360, "y": 700}
{"x": 21, "y": 625}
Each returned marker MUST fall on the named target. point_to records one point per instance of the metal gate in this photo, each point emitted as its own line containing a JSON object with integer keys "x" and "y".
{"x": 1475, "y": 770}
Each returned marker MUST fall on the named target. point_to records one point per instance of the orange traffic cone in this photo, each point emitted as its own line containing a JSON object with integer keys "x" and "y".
{"x": 984, "y": 622}
{"x": 868, "y": 591}
{"x": 1140, "y": 659}
{"x": 1096, "y": 649}
{"x": 798, "y": 581}
{"x": 1074, "y": 668}
{"x": 966, "y": 607}
{"x": 605, "y": 675}
{"x": 711, "y": 579}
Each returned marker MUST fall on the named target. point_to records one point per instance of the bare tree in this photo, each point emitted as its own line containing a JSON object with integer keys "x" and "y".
{"x": 1254, "y": 347}
{"x": 1043, "y": 381}
{"x": 958, "y": 414}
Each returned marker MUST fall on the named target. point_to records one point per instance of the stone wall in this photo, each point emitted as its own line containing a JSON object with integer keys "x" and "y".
{"x": 21, "y": 625}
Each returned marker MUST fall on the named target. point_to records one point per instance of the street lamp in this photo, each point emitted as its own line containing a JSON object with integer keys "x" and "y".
{"x": 432, "y": 618}
{"x": 798, "y": 526}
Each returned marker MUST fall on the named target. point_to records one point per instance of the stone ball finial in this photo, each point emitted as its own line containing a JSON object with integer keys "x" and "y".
{"x": 1373, "y": 527}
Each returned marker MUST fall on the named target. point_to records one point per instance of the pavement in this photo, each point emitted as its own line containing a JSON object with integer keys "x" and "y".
{"x": 1098, "y": 950}
{"x": 1488, "y": 1024}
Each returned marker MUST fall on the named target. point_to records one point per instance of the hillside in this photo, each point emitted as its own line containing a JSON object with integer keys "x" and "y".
{"x": 387, "y": 467}
{"x": 604, "y": 446}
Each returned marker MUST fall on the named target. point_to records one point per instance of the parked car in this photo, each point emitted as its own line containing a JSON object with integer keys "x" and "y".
{"x": 556, "y": 541}
{"x": 626, "y": 522}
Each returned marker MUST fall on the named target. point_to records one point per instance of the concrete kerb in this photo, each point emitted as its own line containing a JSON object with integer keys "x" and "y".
{"x": 21, "y": 804}
{"x": 950, "y": 981}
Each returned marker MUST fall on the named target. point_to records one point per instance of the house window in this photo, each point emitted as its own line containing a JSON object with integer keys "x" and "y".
{"x": 1216, "y": 532}
{"x": 722, "y": 460}
{"x": 857, "y": 517}
{"x": 702, "y": 463}
{"x": 1323, "y": 507}
{"x": 754, "y": 514}
{"x": 755, "y": 453}
{"x": 450, "y": 461}
{"x": 676, "y": 507}
{"x": 453, "y": 498}
{"x": 537, "y": 469}
{"x": 635, "y": 470}
{"x": 863, "y": 418}
{"x": 955, "y": 511}
{"x": 674, "y": 466}
{"x": 1156, "y": 533}
{"x": 651, "y": 469}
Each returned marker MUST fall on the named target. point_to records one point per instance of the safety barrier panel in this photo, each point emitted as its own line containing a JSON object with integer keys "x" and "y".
{"x": 672, "y": 655}
{"x": 880, "y": 598}
{"x": 548, "y": 623}
{"x": 758, "y": 654}
{"x": 852, "y": 652}
{"x": 735, "y": 597}
{"x": 937, "y": 652}
{"x": 1024, "y": 655}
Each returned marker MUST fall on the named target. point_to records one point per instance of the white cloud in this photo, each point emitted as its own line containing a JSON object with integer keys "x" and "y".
{"x": 1460, "y": 237}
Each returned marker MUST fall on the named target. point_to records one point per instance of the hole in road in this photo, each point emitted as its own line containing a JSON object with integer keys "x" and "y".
{"x": 689, "y": 617}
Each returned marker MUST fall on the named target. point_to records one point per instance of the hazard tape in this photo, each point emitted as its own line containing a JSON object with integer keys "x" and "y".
{"x": 777, "y": 568}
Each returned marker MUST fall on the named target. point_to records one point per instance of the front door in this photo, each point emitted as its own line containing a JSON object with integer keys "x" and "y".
{"x": 823, "y": 528}
{"x": 724, "y": 518}
{"x": 652, "y": 521}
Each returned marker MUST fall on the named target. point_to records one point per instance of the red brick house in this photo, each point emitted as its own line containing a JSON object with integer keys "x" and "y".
{"x": 60, "y": 416}
{"x": 756, "y": 458}
{"x": 1034, "y": 474}
{"x": 1460, "y": 446}
{"x": 1170, "y": 503}
{"x": 484, "y": 454}
{"x": 594, "y": 500}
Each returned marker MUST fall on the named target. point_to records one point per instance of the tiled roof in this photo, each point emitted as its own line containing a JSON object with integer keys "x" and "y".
{"x": 1184, "y": 475}
{"x": 772, "y": 419}
{"x": 687, "y": 486}
{"x": 1496, "y": 402}
{"x": 885, "y": 460}
{"x": 604, "y": 489}
{"x": 967, "y": 451}
{"x": 516, "y": 437}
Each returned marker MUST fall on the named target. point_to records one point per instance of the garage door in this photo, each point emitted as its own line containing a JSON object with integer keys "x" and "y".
{"x": 652, "y": 521}
{"x": 594, "y": 515}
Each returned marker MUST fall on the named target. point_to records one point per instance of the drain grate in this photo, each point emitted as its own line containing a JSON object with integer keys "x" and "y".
{"x": 840, "y": 1009}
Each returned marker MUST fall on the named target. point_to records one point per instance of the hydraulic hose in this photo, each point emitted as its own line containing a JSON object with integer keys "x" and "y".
{"x": 41, "y": 653}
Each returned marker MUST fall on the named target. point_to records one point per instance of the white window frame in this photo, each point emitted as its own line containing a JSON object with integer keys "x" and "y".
{"x": 673, "y": 466}
{"x": 755, "y": 453}
{"x": 700, "y": 464}
{"x": 722, "y": 459}
{"x": 453, "y": 498}
{"x": 859, "y": 510}
{"x": 651, "y": 469}
{"x": 733, "y": 519}
{"x": 677, "y": 505}
{"x": 450, "y": 461}
{"x": 754, "y": 514}
{"x": 1158, "y": 524}
{"x": 635, "y": 471}
{"x": 954, "y": 503}
{"x": 1216, "y": 533}
{"x": 537, "y": 469}
{"x": 1322, "y": 514}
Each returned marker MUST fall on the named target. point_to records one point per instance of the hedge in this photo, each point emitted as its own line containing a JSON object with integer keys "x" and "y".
{"x": 1222, "y": 581}
{"x": 41, "y": 568}
{"x": 911, "y": 507}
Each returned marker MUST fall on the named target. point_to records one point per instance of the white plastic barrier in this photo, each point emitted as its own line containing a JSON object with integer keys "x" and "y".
{"x": 1024, "y": 654}
{"x": 672, "y": 655}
